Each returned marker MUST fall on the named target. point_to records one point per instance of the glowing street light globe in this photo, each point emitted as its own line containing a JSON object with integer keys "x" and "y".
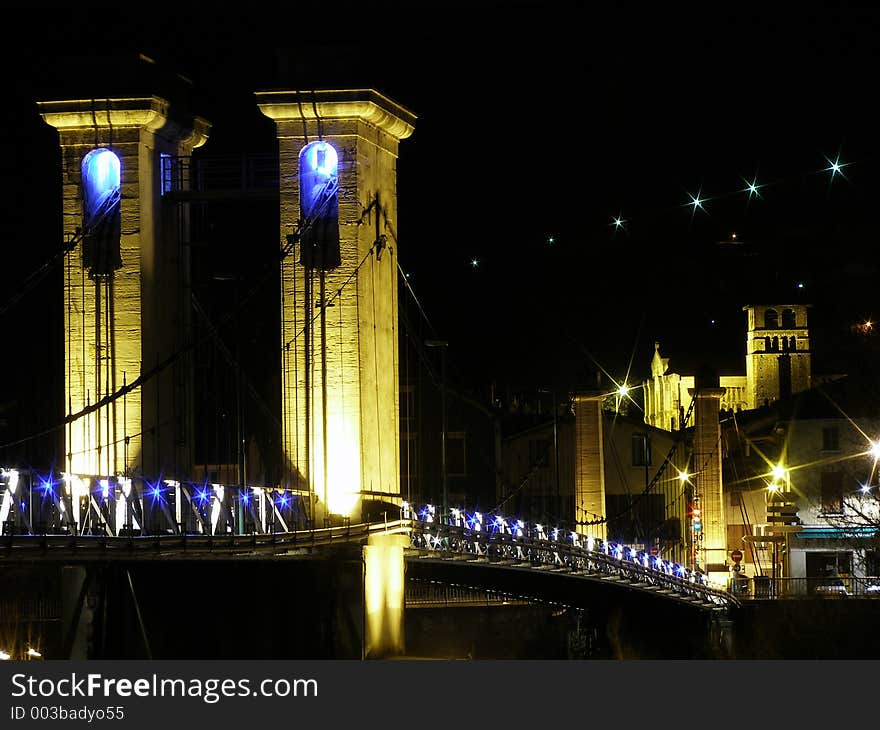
{"x": 778, "y": 472}
{"x": 875, "y": 450}
{"x": 623, "y": 390}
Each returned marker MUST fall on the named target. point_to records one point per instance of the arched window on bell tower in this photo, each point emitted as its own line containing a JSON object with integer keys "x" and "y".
{"x": 771, "y": 319}
{"x": 101, "y": 212}
{"x": 789, "y": 322}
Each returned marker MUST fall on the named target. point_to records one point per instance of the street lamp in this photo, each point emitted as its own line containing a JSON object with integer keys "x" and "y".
{"x": 779, "y": 488}
{"x": 443, "y": 345}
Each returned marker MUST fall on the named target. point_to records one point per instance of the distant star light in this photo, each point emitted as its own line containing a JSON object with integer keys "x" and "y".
{"x": 696, "y": 202}
{"x": 752, "y": 188}
{"x": 475, "y": 263}
{"x": 835, "y": 167}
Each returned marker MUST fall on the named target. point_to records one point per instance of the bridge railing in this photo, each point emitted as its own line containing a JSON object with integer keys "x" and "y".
{"x": 769, "y": 588}
{"x": 35, "y": 504}
{"x": 513, "y": 542}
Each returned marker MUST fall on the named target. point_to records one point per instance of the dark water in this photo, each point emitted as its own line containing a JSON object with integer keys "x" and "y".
{"x": 314, "y": 610}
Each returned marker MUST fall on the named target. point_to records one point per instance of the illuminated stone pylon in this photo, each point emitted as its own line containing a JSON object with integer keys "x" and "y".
{"x": 341, "y": 379}
{"x": 589, "y": 464}
{"x": 708, "y": 475}
{"x": 126, "y": 307}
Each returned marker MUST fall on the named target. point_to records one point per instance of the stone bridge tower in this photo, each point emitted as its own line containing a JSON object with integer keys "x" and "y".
{"x": 126, "y": 285}
{"x": 338, "y": 167}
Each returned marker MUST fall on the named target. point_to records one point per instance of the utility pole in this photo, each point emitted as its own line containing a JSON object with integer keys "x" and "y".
{"x": 556, "y": 455}
{"x": 552, "y": 393}
{"x": 323, "y": 295}
{"x": 443, "y": 345}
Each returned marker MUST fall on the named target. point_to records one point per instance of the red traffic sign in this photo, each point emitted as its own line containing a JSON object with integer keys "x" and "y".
{"x": 736, "y": 556}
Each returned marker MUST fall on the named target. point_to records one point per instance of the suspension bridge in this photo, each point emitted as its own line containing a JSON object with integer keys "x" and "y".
{"x": 128, "y": 306}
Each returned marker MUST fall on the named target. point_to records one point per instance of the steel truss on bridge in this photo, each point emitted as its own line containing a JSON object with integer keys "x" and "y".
{"x": 107, "y": 518}
{"x": 514, "y": 544}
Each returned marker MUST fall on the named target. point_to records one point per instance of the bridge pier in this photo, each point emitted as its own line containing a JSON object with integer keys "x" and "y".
{"x": 384, "y": 596}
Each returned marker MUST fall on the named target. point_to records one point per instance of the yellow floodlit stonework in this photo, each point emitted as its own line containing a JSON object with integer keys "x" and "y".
{"x": 120, "y": 324}
{"x": 384, "y": 596}
{"x": 356, "y": 361}
{"x": 778, "y": 364}
{"x": 708, "y": 481}
{"x": 590, "y": 463}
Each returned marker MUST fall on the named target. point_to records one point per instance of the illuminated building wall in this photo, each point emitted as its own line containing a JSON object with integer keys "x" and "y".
{"x": 777, "y": 352}
{"x": 777, "y": 365}
{"x": 707, "y": 479}
{"x": 666, "y": 398}
{"x": 589, "y": 462}
{"x": 126, "y": 304}
{"x": 359, "y": 356}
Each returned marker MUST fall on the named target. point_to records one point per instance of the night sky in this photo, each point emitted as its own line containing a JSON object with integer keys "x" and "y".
{"x": 536, "y": 128}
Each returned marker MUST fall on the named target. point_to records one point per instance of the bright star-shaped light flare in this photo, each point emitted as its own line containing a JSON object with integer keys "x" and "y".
{"x": 475, "y": 263}
{"x": 752, "y": 188}
{"x": 696, "y": 202}
{"x": 835, "y": 167}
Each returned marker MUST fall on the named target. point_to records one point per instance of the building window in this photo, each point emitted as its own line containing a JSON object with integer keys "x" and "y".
{"x": 788, "y": 319}
{"x": 165, "y": 173}
{"x": 832, "y": 492}
{"x": 767, "y": 345}
{"x": 635, "y": 521}
{"x": 830, "y": 439}
{"x": 539, "y": 452}
{"x": 456, "y": 454}
{"x": 641, "y": 449}
{"x": 771, "y": 320}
